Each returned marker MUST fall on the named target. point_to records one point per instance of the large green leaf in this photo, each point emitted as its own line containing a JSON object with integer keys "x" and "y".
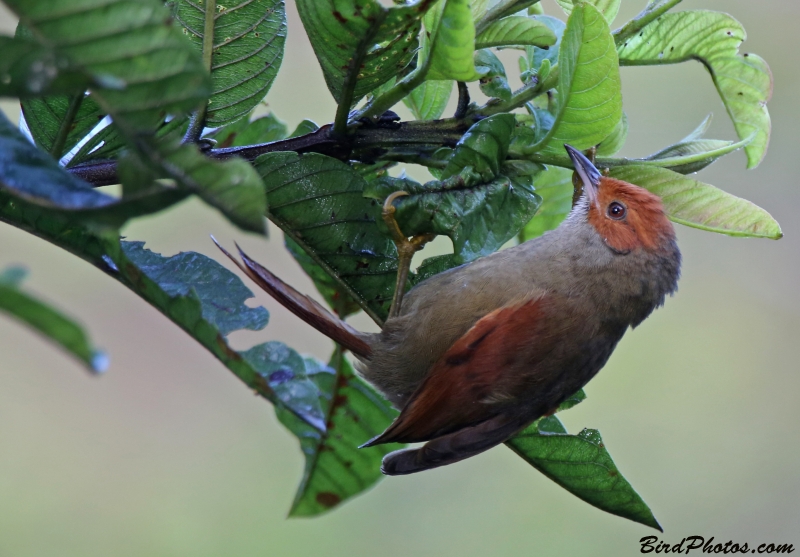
{"x": 318, "y": 202}
{"x": 428, "y": 101}
{"x": 451, "y": 41}
{"x": 581, "y": 465}
{"x": 692, "y": 145}
{"x": 47, "y": 321}
{"x": 31, "y": 178}
{"x": 142, "y": 65}
{"x": 359, "y": 43}
{"x": 589, "y": 100}
{"x": 247, "y": 52}
{"x": 700, "y": 205}
{"x": 516, "y": 30}
{"x": 336, "y": 469}
{"x": 743, "y": 81}
{"x": 608, "y": 8}
{"x": 554, "y": 186}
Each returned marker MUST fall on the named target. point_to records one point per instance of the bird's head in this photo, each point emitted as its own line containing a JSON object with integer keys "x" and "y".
{"x": 627, "y": 217}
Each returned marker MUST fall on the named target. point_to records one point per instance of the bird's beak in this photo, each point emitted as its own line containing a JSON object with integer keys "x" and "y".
{"x": 587, "y": 172}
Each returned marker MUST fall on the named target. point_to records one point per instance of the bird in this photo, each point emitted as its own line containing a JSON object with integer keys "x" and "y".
{"x": 477, "y": 353}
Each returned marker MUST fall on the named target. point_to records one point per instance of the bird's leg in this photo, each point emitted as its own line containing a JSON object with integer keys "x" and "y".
{"x": 405, "y": 250}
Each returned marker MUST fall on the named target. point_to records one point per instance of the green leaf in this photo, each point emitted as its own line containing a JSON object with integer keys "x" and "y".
{"x": 494, "y": 82}
{"x": 589, "y": 91}
{"x": 359, "y": 43}
{"x": 303, "y": 128}
{"x": 692, "y": 145}
{"x": 318, "y": 202}
{"x": 28, "y": 69}
{"x": 554, "y": 185}
{"x": 45, "y": 117}
{"x": 744, "y": 82}
{"x": 483, "y": 147}
{"x": 516, "y": 30}
{"x": 47, "y": 321}
{"x": 31, "y": 178}
{"x": 339, "y": 300}
{"x": 451, "y": 42}
{"x": 614, "y": 142}
{"x": 478, "y": 217}
{"x": 609, "y": 8}
{"x": 336, "y": 469}
{"x": 581, "y": 465}
{"x": 428, "y": 101}
{"x": 232, "y": 186}
{"x": 143, "y": 65}
{"x": 245, "y": 132}
{"x": 536, "y": 55}
{"x": 248, "y": 49}
{"x": 700, "y": 205}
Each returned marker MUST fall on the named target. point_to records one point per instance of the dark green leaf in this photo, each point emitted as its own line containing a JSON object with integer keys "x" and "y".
{"x": 700, "y": 205}
{"x": 589, "y": 101}
{"x": 28, "y": 69}
{"x": 516, "y": 30}
{"x": 581, "y": 465}
{"x": 32, "y": 178}
{"x": 359, "y": 42}
{"x": 554, "y": 185}
{"x": 248, "y": 50}
{"x": 744, "y": 82}
{"x": 483, "y": 147}
{"x": 478, "y": 217}
{"x": 45, "y": 117}
{"x": 47, "y": 321}
{"x": 303, "y": 128}
{"x": 336, "y": 469}
{"x": 244, "y": 132}
{"x": 493, "y": 83}
{"x": 428, "y": 101}
{"x": 119, "y": 42}
{"x": 318, "y": 202}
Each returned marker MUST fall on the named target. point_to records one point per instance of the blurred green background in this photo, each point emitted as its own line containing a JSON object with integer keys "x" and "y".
{"x": 168, "y": 454}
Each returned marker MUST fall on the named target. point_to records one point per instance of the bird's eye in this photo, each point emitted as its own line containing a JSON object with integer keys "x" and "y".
{"x": 616, "y": 211}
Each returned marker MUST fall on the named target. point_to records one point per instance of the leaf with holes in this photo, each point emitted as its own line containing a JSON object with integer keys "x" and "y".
{"x": 336, "y": 469}
{"x": 744, "y": 81}
{"x": 47, "y": 321}
{"x": 581, "y": 465}
{"x": 589, "y": 100}
{"x": 516, "y": 30}
{"x": 428, "y": 101}
{"x": 360, "y": 44}
{"x": 554, "y": 186}
{"x": 317, "y": 201}
{"x": 700, "y": 205}
{"x": 248, "y": 49}
{"x": 120, "y": 42}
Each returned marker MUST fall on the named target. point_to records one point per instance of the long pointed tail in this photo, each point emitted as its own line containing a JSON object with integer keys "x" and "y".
{"x": 453, "y": 447}
{"x": 301, "y": 305}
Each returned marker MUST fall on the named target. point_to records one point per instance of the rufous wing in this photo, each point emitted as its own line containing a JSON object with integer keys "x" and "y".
{"x": 477, "y": 378}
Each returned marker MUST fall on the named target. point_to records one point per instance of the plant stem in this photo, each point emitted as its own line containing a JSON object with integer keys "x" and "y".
{"x": 653, "y": 10}
{"x": 463, "y": 100}
{"x": 198, "y": 121}
{"x": 66, "y": 125}
{"x": 351, "y": 78}
{"x": 500, "y": 10}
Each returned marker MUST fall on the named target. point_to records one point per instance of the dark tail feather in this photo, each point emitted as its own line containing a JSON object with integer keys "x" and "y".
{"x": 302, "y": 306}
{"x": 453, "y": 447}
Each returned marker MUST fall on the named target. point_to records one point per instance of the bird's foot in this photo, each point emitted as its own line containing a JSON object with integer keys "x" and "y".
{"x": 406, "y": 248}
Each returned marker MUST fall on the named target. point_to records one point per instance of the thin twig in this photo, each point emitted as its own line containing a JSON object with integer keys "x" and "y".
{"x": 66, "y": 125}
{"x": 198, "y": 121}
